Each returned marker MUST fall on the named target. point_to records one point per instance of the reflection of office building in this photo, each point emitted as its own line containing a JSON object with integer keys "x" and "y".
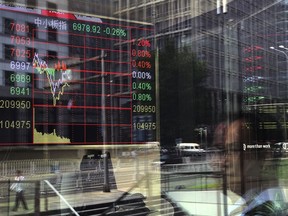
{"x": 96, "y": 7}
{"x": 281, "y": 49}
{"x": 21, "y": 33}
{"x": 234, "y": 46}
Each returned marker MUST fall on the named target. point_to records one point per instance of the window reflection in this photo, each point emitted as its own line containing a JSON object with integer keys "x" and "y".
{"x": 179, "y": 101}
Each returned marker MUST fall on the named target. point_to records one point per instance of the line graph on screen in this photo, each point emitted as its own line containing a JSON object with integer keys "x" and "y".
{"x": 58, "y": 77}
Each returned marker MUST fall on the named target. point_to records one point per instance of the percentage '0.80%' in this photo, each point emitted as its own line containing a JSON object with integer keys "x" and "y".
{"x": 141, "y": 53}
{"x": 141, "y": 97}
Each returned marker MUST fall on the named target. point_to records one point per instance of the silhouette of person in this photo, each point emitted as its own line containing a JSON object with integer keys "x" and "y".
{"x": 244, "y": 153}
{"x": 19, "y": 191}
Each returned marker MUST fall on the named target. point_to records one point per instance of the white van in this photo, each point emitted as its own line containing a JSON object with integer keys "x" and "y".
{"x": 189, "y": 148}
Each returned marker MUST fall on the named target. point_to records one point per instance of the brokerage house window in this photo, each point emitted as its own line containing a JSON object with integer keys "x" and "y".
{"x": 31, "y": 3}
{"x": 8, "y": 26}
{"x": 8, "y": 51}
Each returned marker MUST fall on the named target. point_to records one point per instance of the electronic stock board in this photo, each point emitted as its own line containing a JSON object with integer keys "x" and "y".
{"x": 75, "y": 79}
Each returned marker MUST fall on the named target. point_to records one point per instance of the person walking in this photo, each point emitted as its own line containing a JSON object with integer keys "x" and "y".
{"x": 19, "y": 191}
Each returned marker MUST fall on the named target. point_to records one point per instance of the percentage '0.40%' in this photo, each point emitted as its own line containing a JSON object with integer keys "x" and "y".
{"x": 142, "y": 64}
{"x": 142, "y": 86}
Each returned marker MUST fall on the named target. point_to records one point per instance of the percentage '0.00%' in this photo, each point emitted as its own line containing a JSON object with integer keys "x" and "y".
{"x": 141, "y": 75}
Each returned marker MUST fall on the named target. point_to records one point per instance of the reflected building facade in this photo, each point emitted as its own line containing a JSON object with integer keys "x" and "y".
{"x": 244, "y": 73}
{"x": 111, "y": 102}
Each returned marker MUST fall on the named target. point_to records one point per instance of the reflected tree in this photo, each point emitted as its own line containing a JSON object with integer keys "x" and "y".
{"x": 184, "y": 100}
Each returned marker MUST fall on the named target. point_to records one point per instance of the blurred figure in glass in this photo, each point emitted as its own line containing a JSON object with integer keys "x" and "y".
{"x": 245, "y": 155}
{"x": 18, "y": 188}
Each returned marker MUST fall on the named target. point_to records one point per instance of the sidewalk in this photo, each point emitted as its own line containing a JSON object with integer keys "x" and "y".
{"x": 80, "y": 199}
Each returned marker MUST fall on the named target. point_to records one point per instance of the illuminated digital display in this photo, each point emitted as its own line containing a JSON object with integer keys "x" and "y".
{"x": 75, "y": 79}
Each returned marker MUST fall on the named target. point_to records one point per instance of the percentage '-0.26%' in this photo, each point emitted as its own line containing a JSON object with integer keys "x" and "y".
{"x": 141, "y": 75}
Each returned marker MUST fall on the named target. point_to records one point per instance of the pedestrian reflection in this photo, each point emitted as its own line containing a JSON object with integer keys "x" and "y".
{"x": 244, "y": 169}
{"x": 19, "y": 191}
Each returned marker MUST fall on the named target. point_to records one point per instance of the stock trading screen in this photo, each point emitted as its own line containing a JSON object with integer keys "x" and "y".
{"x": 75, "y": 79}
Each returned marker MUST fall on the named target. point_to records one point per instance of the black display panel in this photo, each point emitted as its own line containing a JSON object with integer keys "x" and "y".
{"x": 75, "y": 79}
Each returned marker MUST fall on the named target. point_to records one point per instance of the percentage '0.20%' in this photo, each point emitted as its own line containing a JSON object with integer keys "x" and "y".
{"x": 143, "y": 43}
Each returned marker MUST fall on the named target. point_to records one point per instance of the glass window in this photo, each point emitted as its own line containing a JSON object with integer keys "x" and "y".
{"x": 9, "y": 78}
{"x": 51, "y": 55}
{"x": 122, "y": 105}
{"x": 10, "y": 2}
{"x": 9, "y": 51}
{"x": 51, "y": 6}
{"x": 31, "y": 3}
{"x": 52, "y": 34}
{"x": 32, "y": 33}
{"x": 9, "y": 26}
{"x": 30, "y": 52}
